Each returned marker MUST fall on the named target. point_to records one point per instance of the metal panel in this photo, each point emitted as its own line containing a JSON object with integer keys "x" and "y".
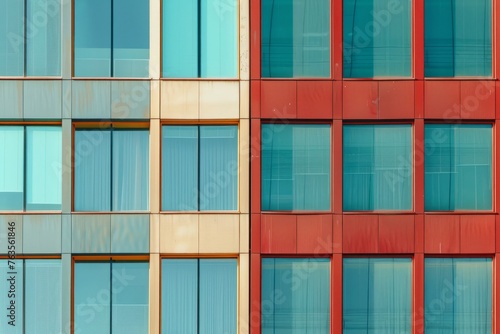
{"x": 360, "y": 234}
{"x": 66, "y": 234}
{"x": 130, "y": 234}
{"x": 91, "y": 99}
{"x": 130, "y": 99}
{"x": 91, "y": 234}
{"x": 219, "y": 233}
{"x": 279, "y": 234}
{"x": 42, "y": 99}
{"x": 219, "y": 100}
{"x": 42, "y": 234}
{"x": 4, "y": 233}
{"x": 66, "y": 98}
{"x": 314, "y": 234}
{"x": 11, "y": 99}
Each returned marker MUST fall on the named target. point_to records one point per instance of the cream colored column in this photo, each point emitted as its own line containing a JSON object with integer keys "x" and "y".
{"x": 154, "y": 294}
{"x": 154, "y": 165}
{"x": 244, "y": 40}
{"x": 154, "y": 38}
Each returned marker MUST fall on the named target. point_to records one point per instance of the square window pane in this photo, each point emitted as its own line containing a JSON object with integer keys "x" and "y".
{"x": 295, "y": 38}
{"x": 12, "y": 170}
{"x": 458, "y": 38}
{"x": 377, "y": 296}
{"x": 377, "y": 38}
{"x": 295, "y": 295}
{"x": 458, "y": 167}
{"x": 295, "y": 167}
{"x": 378, "y": 164}
{"x": 18, "y": 298}
{"x": 458, "y": 296}
{"x": 11, "y": 38}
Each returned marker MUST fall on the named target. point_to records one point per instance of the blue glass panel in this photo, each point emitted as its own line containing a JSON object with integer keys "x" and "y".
{"x": 218, "y": 296}
{"x": 43, "y": 290}
{"x": 180, "y": 38}
{"x": 11, "y": 172}
{"x": 458, "y": 296}
{"x": 43, "y": 38}
{"x": 12, "y": 293}
{"x": 11, "y": 38}
{"x": 218, "y": 167}
{"x": 377, "y": 167}
{"x": 131, "y": 38}
{"x": 92, "y": 38}
{"x": 92, "y": 297}
{"x": 458, "y": 38}
{"x": 180, "y": 168}
{"x": 43, "y": 168}
{"x": 377, "y": 296}
{"x": 295, "y": 296}
{"x": 458, "y": 167}
{"x": 295, "y": 38}
{"x": 377, "y": 38}
{"x": 130, "y": 297}
{"x": 179, "y": 299}
{"x": 130, "y": 170}
{"x": 295, "y": 167}
{"x": 92, "y": 169}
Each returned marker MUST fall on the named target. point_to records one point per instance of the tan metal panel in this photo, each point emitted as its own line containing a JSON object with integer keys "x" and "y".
{"x": 179, "y": 233}
{"x": 130, "y": 99}
{"x": 219, "y": 100}
{"x": 91, "y": 99}
{"x": 179, "y": 99}
{"x": 11, "y": 99}
{"x": 219, "y": 233}
{"x": 42, "y": 234}
{"x": 42, "y": 99}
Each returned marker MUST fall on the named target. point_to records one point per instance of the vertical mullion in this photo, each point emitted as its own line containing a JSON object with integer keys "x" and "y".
{"x": 199, "y": 167}
{"x": 198, "y": 296}
{"x": 111, "y": 170}
{"x": 110, "y": 297}
{"x": 24, "y": 296}
{"x": 111, "y": 68}
{"x": 25, "y": 159}
{"x": 25, "y": 61}
{"x": 199, "y": 38}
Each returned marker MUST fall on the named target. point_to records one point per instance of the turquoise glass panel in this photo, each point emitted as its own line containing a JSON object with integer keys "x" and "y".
{"x": 12, "y": 171}
{"x": 11, "y": 38}
{"x": 13, "y": 294}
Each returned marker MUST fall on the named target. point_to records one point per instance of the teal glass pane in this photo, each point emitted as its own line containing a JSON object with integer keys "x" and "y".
{"x": 12, "y": 293}
{"x": 458, "y": 296}
{"x": 130, "y": 170}
{"x": 218, "y": 167}
{"x": 92, "y": 168}
{"x": 179, "y": 296}
{"x": 12, "y": 171}
{"x": 131, "y": 38}
{"x": 11, "y": 38}
{"x": 458, "y": 167}
{"x": 219, "y": 38}
{"x": 377, "y": 161}
{"x": 377, "y": 38}
{"x": 295, "y": 295}
{"x": 43, "y": 168}
{"x": 295, "y": 38}
{"x": 295, "y": 167}
{"x": 43, "y": 293}
{"x": 43, "y": 38}
{"x": 130, "y": 297}
{"x": 92, "y": 39}
{"x": 458, "y": 38}
{"x": 218, "y": 296}
{"x": 377, "y": 296}
{"x": 180, "y": 39}
{"x": 92, "y": 297}
{"x": 180, "y": 168}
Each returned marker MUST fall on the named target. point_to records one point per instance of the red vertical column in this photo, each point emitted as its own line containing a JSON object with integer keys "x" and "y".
{"x": 337, "y": 46}
{"x": 418, "y": 39}
{"x": 255, "y": 39}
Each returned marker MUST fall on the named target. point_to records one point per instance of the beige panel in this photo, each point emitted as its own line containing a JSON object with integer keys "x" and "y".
{"x": 154, "y": 293}
{"x": 244, "y": 233}
{"x": 66, "y": 45}
{"x": 219, "y": 100}
{"x": 244, "y": 40}
{"x": 244, "y": 99}
{"x": 66, "y": 165}
{"x": 42, "y": 99}
{"x": 154, "y": 38}
{"x": 11, "y": 99}
{"x": 219, "y": 233}
{"x": 91, "y": 99}
{"x": 154, "y": 165}
{"x": 17, "y": 230}
{"x": 42, "y": 234}
{"x": 244, "y": 294}
{"x": 179, "y": 233}
{"x": 130, "y": 99}
{"x": 154, "y": 233}
{"x": 179, "y": 99}
{"x": 244, "y": 165}
{"x": 66, "y": 99}
{"x": 155, "y": 99}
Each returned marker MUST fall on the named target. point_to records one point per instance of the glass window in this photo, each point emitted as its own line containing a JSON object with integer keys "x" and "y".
{"x": 200, "y": 38}
{"x": 111, "y": 297}
{"x": 111, "y": 169}
{"x": 295, "y": 295}
{"x": 30, "y": 38}
{"x": 37, "y": 296}
{"x": 30, "y": 178}
{"x": 377, "y": 38}
{"x": 458, "y": 167}
{"x": 296, "y": 167}
{"x": 199, "y": 296}
{"x": 377, "y": 167}
{"x": 458, "y": 38}
{"x": 377, "y": 296}
{"x": 111, "y": 38}
{"x": 295, "y": 38}
{"x": 199, "y": 167}
{"x": 458, "y": 296}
